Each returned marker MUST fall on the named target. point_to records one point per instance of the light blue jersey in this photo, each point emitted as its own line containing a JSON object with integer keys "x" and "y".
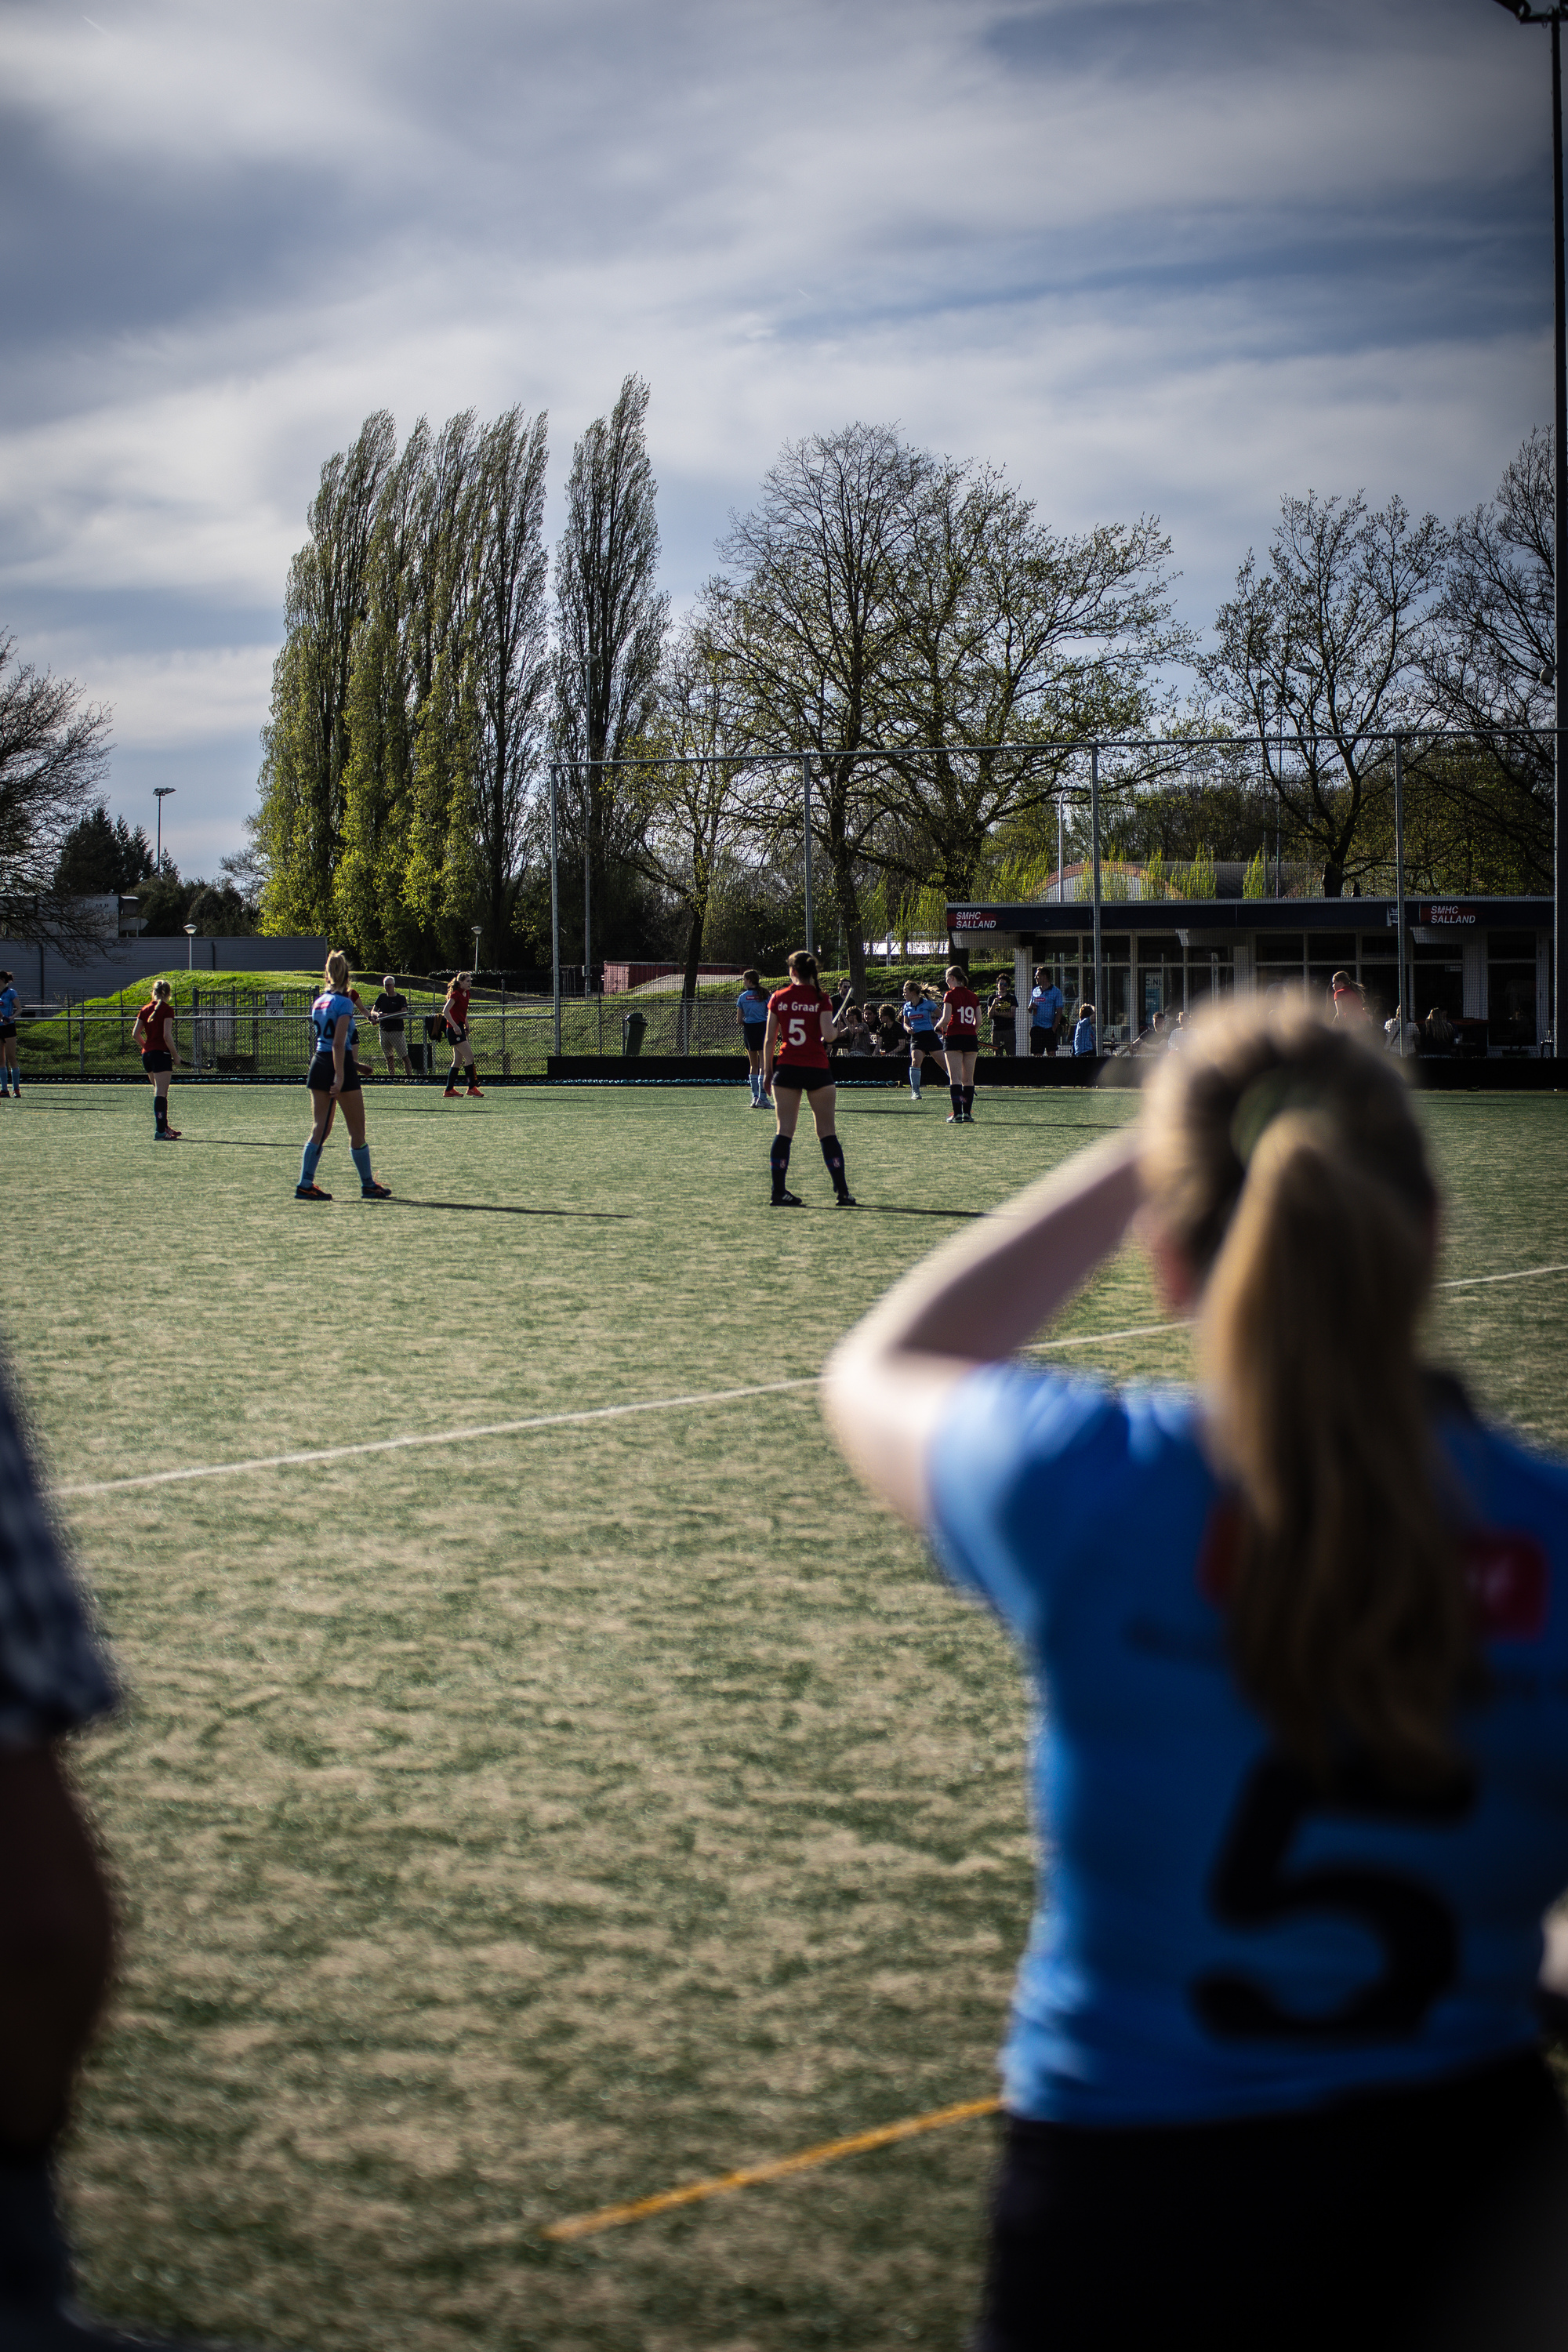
{"x": 751, "y": 1006}
{"x": 8, "y": 1004}
{"x": 325, "y": 1013}
{"x": 1084, "y": 1040}
{"x": 1213, "y": 1936}
{"x": 920, "y": 1017}
{"x": 1045, "y": 1004}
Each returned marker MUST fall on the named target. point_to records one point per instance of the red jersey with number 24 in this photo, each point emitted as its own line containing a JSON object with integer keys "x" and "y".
{"x": 963, "y": 1017}
{"x": 800, "y": 1008}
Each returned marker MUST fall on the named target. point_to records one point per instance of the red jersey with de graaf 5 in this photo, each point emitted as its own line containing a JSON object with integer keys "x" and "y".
{"x": 963, "y": 1017}
{"x": 800, "y": 1008}
{"x": 456, "y": 1005}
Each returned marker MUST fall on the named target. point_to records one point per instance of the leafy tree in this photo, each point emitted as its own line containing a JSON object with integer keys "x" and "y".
{"x": 610, "y": 621}
{"x": 98, "y": 856}
{"x": 306, "y": 742}
{"x": 1332, "y": 639}
{"x": 54, "y": 750}
{"x": 510, "y": 659}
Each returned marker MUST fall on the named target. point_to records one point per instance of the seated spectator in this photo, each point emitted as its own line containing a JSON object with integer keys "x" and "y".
{"x": 1085, "y": 1034}
{"x": 890, "y": 1038}
{"x": 1178, "y": 1035}
{"x": 1402, "y": 1035}
{"x": 858, "y": 1038}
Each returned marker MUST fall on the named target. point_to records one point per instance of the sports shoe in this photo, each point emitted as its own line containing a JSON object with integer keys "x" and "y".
{"x": 450, "y": 1095}
{"x": 845, "y": 1201}
{"x": 478, "y": 1090}
{"x": 165, "y": 1135}
{"x": 311, "y": 1192}
{"x": 969, "y": 1119}
{"x": 784, "y": 1200}
{"x": 374, "y": 1191}
{"x": 955, "y": 1119}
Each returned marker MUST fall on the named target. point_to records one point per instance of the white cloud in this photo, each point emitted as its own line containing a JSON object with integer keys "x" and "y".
{"x": 1175, "y": 257}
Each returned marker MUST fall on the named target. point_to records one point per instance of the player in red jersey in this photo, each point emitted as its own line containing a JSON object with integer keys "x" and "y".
{"x": 455, "y": 1013}
{"x": 959, "y": 1028}
{"x": 795, "y": 1063}
{"x": 154, "y": 1032}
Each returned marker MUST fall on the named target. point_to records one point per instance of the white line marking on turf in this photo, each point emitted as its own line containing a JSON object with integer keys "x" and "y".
{"x": 436, "y": 1437}
{"x": 1474, "y": 1281}
{"x": 648, "y": 1404}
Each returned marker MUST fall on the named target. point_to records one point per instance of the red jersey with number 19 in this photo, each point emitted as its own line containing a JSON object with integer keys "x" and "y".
{"x": 800, "y": 1008}
{"x": 962, "y": 1019}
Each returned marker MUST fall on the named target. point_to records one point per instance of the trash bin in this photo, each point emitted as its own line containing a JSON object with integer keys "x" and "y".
{"x": 633, "y": 1024}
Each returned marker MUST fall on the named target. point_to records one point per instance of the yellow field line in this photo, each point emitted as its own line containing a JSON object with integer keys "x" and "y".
{"x": 611, "y": 2217}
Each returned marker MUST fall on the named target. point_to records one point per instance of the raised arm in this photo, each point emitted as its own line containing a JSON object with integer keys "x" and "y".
{"x": 887, "y": 1384}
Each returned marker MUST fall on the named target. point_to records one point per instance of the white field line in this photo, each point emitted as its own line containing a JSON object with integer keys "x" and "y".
{"x": 434, "y": 1437}
{"x": 648, "y": 1404}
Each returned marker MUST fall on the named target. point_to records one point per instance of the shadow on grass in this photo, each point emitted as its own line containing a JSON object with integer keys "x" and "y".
{"x": 236, "y": 1143}
{"x": 511, "y": 1209}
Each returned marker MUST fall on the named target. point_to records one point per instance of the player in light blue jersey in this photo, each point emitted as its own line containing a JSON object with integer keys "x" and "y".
{"x": 751, "y": 1013}
{"x": 334, "y": 1077}
{"x": 1298, "y": 1641}
{"x": 10, "y": 1064}
{"x": 918, "y": 1020}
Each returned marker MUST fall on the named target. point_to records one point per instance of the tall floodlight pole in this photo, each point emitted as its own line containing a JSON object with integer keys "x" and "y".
{"x": 1527, "y": 15}
{"x": 1404, "y": 1010}
{"x": 161, "y": 792}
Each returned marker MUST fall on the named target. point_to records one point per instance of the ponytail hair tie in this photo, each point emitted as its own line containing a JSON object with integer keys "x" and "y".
{"x": 1261, "y": 1103}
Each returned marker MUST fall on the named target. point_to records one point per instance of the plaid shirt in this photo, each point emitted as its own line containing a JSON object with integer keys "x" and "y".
{"x": 53, "y": 1675}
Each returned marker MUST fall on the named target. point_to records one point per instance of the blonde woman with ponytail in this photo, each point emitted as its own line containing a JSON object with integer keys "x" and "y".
{"x": 1299, "y": 1643}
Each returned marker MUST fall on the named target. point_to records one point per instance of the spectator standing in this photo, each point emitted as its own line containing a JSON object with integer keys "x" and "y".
{"x": 1402, "y": 1033}
{"x": 10, "y": 1064}
{"x": 1002, "y": 1014}
{"x": 1349, "y": 1003}
{"x": 1047, "y": 1009}
{"x": 1085, "y": 1035}
{"x": 1439, "y": 1031}
{"x": 390, "y": 1015}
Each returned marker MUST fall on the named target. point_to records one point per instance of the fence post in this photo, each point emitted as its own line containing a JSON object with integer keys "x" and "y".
{"x": 555, "y": 908}
{"x": 1403, "y": 1009}
{"x": 1099, "y": 1003}
{"x": 195, "y": 1033}
{"x": 82, "y": 1038}
{"x": 806, "y": 811}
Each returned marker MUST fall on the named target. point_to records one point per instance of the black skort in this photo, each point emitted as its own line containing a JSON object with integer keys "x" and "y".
{"x": 150, "y": 1063}
{"x": 457, "y": 1033}
{"x": 799, "y": 1075}
{"x": 320, "y": 1079}
{"x": 7, "y": 1029}
{"x": 924, "y": 1041}
{"x": 1394, "y": 2221}
{"x": 755, "y": 1033}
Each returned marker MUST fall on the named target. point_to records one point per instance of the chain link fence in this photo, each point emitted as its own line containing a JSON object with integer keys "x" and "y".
{"x": 252, "y": 1033}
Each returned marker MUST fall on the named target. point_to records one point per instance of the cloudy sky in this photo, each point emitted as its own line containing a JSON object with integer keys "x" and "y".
{"x": 1177, "y": 255}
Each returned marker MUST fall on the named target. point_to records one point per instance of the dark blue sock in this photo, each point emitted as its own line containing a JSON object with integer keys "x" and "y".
{"x": 779, "y": 1157}
{"x": 957, "y": 1094}
{"x": 160, "y": 1114}
{"x": 969, "y": 1099}
{"x": 834, "y": 1159}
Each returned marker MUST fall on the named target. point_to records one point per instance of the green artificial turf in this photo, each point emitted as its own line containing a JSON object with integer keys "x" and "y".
{"x": 511, "y": 1827}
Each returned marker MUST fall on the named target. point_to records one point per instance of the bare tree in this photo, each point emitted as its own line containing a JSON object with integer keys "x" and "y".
{"x": 1492, "y": 659}
{"x": 806, "y": 617}
{"x": 610, "y": 616}
{"x": 694, "y": 799}
{"x": 1007, "y": 633}
{"x": 54, "y": 754}
{"x": 1331, "y": 639}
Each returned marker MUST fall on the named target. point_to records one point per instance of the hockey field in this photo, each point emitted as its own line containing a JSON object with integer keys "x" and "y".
{"x": 524, "y": 1804}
